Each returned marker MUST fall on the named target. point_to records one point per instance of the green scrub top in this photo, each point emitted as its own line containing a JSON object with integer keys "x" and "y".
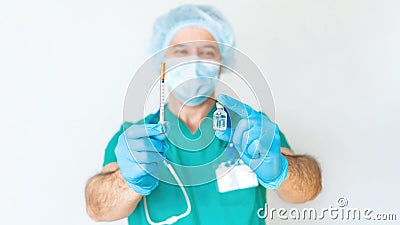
{"x": 209, "y": 206}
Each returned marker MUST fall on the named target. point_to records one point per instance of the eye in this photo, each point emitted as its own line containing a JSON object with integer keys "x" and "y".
{"x": 207, "y": 54}
{"x": 180, "y": 51}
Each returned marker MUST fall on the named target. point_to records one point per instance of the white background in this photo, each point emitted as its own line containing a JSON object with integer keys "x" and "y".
{"x": 65, "y": 65}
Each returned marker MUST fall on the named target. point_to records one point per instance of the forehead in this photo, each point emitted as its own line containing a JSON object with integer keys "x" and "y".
{"x": 191, "y": 34}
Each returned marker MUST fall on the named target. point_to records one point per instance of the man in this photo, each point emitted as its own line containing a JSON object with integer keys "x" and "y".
{"x": 135, "y": 155}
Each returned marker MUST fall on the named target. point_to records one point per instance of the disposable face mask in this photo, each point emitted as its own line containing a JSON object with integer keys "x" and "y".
{"x": 189, "y": 80}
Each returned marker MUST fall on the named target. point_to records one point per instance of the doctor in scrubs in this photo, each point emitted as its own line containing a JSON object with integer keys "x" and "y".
{"x": 142, "y": 179}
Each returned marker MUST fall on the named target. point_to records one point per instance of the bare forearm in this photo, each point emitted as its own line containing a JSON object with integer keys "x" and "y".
{"x": 304, "y": 179}
{"x": 108, "y": 197}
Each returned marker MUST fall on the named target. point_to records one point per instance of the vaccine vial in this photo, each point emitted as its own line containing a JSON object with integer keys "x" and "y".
{"x": 220, "y": 118}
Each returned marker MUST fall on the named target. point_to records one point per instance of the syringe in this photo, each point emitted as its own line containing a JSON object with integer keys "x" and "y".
{"x": 162, "y": 93}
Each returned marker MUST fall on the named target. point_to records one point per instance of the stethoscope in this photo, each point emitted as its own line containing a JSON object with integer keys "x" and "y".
{"x": 175, "y": 218}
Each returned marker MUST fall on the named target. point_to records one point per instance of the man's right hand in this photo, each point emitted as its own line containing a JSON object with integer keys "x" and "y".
{"x": 140, "y": 151}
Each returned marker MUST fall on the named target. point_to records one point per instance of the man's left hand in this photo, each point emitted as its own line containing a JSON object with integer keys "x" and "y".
{"x": 257, "y": 139}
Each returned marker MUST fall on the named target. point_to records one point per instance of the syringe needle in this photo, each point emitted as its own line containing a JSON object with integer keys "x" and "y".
{"x": 162, "y": 92}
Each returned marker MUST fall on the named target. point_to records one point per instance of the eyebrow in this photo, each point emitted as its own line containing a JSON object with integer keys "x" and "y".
{"x": 210, "y": 46}
{"x": 178, "y": 45}
{"x": 205, "y": 46}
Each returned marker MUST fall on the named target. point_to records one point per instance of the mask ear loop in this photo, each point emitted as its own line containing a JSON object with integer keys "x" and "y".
{"x": 172, "y": 219}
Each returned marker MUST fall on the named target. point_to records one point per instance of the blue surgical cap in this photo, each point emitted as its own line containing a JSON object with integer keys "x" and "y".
{"x": 202, "y": 16}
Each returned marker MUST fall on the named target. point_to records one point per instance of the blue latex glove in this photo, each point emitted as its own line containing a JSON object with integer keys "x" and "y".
{"x": 257, "y": 139}
{"x": 140, "y": 152}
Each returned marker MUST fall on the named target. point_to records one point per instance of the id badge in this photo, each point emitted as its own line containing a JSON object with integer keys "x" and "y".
{"x": 232, "y": 177}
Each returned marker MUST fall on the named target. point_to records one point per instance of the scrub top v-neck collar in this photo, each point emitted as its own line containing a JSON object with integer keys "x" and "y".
{"x": 184, "y": 130}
